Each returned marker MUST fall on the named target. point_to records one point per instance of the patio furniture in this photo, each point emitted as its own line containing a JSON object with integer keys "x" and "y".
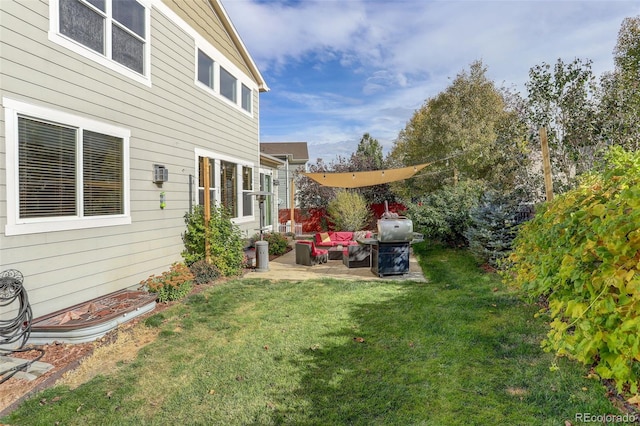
{"x": 339, "y": 238}
{"x": 357, "y": 256}
{"x": 308, "y": 254}
{"x": 335, "y": 253}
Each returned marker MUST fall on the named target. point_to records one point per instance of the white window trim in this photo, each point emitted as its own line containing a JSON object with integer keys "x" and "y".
{"x": 66, "y": 42}
{"x": 217, "y": 159}
{"x": 17, "y": 226}
{"x": 219, "y": 60}
{"x": 274, "y": 196}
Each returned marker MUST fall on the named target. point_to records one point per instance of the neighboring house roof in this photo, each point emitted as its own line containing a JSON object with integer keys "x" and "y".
{"x": 270, "y": 161}
{"x": 209, "y": 32}
{"x": 295, "y": 152}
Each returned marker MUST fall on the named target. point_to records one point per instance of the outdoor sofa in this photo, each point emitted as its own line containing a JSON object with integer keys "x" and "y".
{"x": 339, "y": 238}
{"x": 308, "y": 254}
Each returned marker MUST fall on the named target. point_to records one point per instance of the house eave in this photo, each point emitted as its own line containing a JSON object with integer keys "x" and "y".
{"x": 219, "y": 8}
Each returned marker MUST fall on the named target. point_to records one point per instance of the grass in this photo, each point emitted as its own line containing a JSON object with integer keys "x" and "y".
{"x": 460, "y": 349}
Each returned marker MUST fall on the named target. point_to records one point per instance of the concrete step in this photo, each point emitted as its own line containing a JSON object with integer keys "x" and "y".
{"x": 33, "y": 371}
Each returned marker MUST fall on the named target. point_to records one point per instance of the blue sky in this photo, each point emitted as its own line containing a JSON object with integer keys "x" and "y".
{"x": 340, "y": 68}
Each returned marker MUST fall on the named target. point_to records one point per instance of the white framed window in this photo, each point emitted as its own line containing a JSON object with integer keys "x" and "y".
{"x": 114, "y": 33}
{"x": 63, "y": 171}
{"x": 230, "y": 181}
{"x": 228, "y": 85}
{"x": 205, "y": 70}
{"x": 213, "y": 184}
{"x": 246, "y": 96}
{"x": 218, "y": 76}
{"x": 247, "y": 188}
{"x": 266, "y": 184}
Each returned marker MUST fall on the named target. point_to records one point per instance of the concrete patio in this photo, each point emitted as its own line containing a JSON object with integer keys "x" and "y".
{"x": 285, "y": 268}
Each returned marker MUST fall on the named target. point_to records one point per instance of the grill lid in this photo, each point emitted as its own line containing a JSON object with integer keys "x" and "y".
{"x": 395, "y": 230}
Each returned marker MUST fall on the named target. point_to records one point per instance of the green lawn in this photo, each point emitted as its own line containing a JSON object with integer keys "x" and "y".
{"x": 458, "y": 350}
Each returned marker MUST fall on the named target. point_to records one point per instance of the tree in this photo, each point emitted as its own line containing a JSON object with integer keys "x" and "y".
{"x": 620, "y": 97}
{"x": 369, "y": 151}
{"x": 563, "y": 99}
{"x": 368, "y": 156}
{"x": 466, "y": 131}
{"x": 310, "y": 193}
{"x": 349, "y": 211}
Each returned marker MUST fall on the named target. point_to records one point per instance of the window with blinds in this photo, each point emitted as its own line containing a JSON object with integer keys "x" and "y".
{"x": 47, "y": 169}
{"x": 228, "y": 187}
{"x": 102, "y": 170}
{"x": 53, "y": 182}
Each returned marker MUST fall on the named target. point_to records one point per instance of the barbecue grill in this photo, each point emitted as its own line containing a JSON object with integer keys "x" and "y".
{"x": 390, "y": 249}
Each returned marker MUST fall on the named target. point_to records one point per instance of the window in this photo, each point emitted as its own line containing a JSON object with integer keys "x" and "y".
{"x": 228, "y": 187}
{"x": 266, "y": 185}
{"x": 219, "y": 77}
{"x": 230, "y": 183}
{"x": 63, "y": 172}
{"x": 114, "y": 29}
{"x": 48, "y": 171}
{"x": 205, "y": 69}
{"x": 247, "y": 187}
{"x": 228, "y": 85}
{"x": 102, "y": 174}
{"x": 246, "y": 98}
{"x": 212, "y": 181}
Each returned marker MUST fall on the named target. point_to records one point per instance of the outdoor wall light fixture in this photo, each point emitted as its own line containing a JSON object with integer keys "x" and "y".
{"x": 163, "y": 200}
{"x": 160, "y": 174}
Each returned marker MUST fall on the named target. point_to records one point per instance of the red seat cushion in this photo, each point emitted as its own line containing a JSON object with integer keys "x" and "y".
{"x": 318, "y": 252}
{"x": 314, "y": 250}
{"x": 343, "y": 236}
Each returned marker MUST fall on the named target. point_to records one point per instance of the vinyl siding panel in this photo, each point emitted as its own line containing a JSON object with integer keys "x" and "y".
{"x": 200, "y": 15}
{"x": 168, "y": 121}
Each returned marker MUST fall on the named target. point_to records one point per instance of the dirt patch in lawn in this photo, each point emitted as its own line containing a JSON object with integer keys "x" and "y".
{"x": 124, "y": 348}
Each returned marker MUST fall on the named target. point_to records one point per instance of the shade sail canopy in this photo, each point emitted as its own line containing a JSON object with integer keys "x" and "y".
{"x": 361, "y": 179}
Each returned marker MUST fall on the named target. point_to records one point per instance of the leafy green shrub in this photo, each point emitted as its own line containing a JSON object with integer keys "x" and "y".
{"x": 349, "y": 211}
{"x": 444, "y": 214}
{"x": 582, "y": 252}
{"x": 204, "y": 272}
{"x": 225, "y": 242}
{"x": 278, "y": 243}
{"x": 493, "y": 226}
{"x": 170, "y": 285}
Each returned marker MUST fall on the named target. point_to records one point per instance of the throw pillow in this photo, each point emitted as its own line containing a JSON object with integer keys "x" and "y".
{"x": 324, "y": 236}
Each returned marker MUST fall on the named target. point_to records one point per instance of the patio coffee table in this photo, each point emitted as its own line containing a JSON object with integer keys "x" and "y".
{"x": 335, "y": 253}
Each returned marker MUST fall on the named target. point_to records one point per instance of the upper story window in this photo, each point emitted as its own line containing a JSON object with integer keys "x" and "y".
{"x": 228, "y": 85}
{"x": 217, "y": 75}
{"x": 64, "y": 172}
{"x": 113, "y": 31}
{"x": 205, "y": 69}
{"x": 246, "y": 98}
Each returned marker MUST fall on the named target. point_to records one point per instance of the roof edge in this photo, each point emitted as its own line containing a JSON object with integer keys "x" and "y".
{"x": 219, "y": 8}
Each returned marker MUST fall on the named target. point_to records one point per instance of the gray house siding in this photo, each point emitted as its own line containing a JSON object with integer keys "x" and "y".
{"x": 167, "y": 122}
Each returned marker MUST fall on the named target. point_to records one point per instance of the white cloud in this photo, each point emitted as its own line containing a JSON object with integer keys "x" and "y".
{"x": 407, "y": 51}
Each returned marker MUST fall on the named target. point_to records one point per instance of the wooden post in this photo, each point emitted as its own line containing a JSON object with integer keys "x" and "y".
{"x": 546, "y": 164}
{"x": 207, "y": 208}
{"x": 292, "y": 207}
